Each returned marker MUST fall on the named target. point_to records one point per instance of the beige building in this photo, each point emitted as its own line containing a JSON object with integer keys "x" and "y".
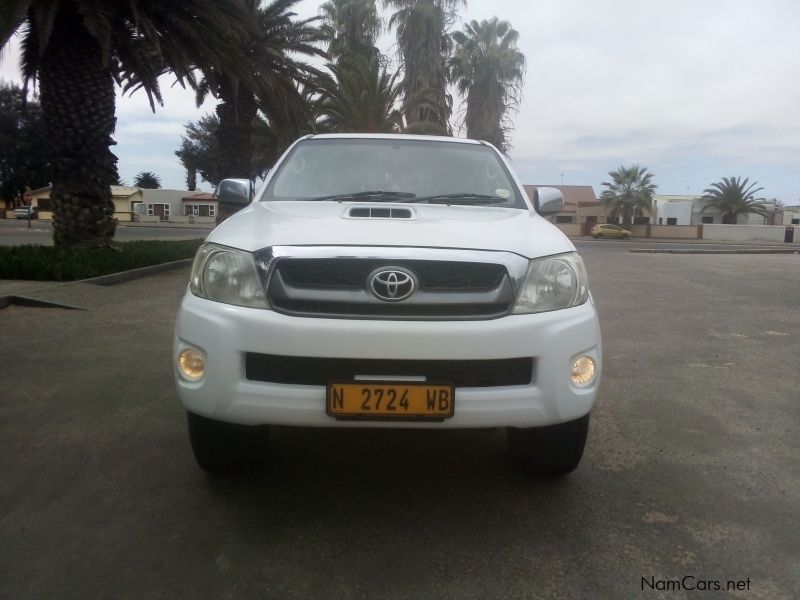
{"x": 581, "y": 207}
{"x": 133, "y": 203}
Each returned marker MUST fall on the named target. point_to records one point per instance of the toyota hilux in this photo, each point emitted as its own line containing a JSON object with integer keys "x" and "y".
{"x": 388, "y": 281}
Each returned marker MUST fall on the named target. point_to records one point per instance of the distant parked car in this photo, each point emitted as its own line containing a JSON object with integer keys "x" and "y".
{"x": 22, "y": 213}
{"x": 609, "y": 231}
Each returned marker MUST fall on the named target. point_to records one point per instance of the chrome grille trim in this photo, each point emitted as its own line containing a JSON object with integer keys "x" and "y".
{"x": 478, "y": 304}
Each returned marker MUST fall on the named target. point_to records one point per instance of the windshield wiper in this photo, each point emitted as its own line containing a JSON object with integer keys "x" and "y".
{"x": 461, "y": 198}
{"x": 377, "y": 195}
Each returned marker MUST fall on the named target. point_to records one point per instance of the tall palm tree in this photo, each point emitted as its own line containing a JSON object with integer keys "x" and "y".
{"x": 273, "y": 58}
{"x": 351, "y": 28}
{"x": 272, "y": 137}
{"x": 77, "y": 50}
{"x": 424, "y": 49}
{"x": 489, "y": 70}
{"x": 363, "y": 98}
{"x": 629, "y": 194}
{"x": 147, "y": 180}
{"x": 733, "y": 197}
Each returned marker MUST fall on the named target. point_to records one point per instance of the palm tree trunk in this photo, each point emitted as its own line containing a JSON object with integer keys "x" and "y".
{"x": 191, "y": 179}
{"x": 236, "y": 113}
{"x": 77, "y": 98}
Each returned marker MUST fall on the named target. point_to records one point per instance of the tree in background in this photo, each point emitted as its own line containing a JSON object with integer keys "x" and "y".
{"x": 489, "y": 70}
{"x": 351, "y": 28}
{"x": 425, "y": 46}
{"x": 77, "y": 50}
{"x": 147, "y": 180}
{"x": 199, "y": 152}
{"x": 629, "y": 194}
{"x": 362, "y": 98}
{"x": 23, "y": 143}
{"x": 733, "y": 197}
{"x": 271, "y": 57}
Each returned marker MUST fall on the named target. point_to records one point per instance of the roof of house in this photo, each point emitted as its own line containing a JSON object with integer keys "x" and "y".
{"x": 123, "y": 190}
{"x": 574, "y": 195}
{"x": 201, "y": 196}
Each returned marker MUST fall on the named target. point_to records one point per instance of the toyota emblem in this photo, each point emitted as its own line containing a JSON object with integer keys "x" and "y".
{"x": 392, "y": 284}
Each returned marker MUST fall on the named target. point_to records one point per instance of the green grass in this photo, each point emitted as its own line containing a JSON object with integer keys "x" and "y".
{"x": 48, "y": 263}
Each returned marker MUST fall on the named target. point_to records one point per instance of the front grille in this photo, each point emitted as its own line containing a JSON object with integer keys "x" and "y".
{"x": 353, "y": 272}
{"x": 319, "y": 371}
{"x": 339, "y": 288}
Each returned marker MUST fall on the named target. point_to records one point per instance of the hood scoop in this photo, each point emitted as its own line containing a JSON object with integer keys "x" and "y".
{"x": 379, "y": 212}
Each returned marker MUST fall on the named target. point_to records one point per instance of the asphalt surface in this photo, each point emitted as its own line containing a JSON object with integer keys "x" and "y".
{"x": 15, "y": 232}
{"x": 692, "y": 468}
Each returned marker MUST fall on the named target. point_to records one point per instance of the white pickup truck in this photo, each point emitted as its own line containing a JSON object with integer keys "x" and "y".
{"x": 388, "y": 281}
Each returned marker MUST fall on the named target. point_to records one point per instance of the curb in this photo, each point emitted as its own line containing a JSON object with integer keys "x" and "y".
{"x": 124, "y": 276}
{"x": 6, "y": 301}
{"x": 687, "y": 251}
{"x": 110, "y": 279}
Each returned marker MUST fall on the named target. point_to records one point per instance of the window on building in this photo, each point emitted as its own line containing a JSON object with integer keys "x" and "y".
{"x": 795, "y": 221}
{"x": 200, "y": 210}
{"x": 672, "y": 221}
{"x": 708, "y": 219}
{"x": 563, "y": 219}
{"x": 150, "y": 210}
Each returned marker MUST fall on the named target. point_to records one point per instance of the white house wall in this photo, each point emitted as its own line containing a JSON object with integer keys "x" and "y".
{"x": 173, "y": 198}
{"x": 748, "y": 233}
{"x": 675, "y": 209}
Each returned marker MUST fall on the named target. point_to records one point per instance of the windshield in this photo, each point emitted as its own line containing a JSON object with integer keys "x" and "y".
{"x": 394, "y": 170}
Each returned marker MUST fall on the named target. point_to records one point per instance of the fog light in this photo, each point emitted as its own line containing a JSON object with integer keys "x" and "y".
{"x": 583, "y": 370}
{"x": 192, "y": 365}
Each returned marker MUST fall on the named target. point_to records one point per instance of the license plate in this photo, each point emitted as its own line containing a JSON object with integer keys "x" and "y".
{"x": 389, "y": 400}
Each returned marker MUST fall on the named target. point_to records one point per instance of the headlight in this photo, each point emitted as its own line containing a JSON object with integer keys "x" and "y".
{"x": 553, "y": 283}
{"x": 227, "y": 275}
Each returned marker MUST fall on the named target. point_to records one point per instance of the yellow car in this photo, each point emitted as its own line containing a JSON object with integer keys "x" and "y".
{"x": 609, "y": 231}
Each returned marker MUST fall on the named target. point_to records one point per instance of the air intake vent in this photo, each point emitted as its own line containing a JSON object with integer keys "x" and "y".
{"x": 375, "y": 212}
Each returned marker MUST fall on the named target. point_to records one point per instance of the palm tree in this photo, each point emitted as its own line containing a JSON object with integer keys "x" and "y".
{"x": 629, "y": 194}
{"x": 489, "y": 70}
{"x": 351, "y": 28}
{"x": 272, "y": 57}
{"x": 362, "y": 98}
{"x": 147, "y": 180}
{"x": 271, "y": 137}
{"x": 77, "y": 50}
{"x": 424, "y": 48}
{"x": 733, "y": 197}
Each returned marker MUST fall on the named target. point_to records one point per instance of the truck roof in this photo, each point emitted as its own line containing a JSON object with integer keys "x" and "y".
{"x": 391, "y": 136}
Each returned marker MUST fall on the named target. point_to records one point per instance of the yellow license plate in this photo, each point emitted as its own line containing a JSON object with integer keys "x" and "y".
{"x": 390, "y": 400}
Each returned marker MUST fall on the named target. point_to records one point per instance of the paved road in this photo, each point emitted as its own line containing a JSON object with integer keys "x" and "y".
{"x": 14, "y": 232}
{"x": 692, "y": 467}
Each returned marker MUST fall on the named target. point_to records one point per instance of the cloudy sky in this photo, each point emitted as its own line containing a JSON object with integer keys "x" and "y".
{"x": 693, "y": 89}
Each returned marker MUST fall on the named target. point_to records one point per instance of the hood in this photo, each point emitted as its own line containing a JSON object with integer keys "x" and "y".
{"x": 301, "y": 223}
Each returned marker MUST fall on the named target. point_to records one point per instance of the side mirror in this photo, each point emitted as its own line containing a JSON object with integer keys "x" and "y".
{"x": 234, "y": 193}
{"x": 548, "y": 201}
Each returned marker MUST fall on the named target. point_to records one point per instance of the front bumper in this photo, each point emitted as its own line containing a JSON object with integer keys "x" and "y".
{"x": 225, "y": 333}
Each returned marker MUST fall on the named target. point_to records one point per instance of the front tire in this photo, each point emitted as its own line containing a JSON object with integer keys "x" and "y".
{"x": 227, "y": 448}
{"x": 549, "y": 451}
